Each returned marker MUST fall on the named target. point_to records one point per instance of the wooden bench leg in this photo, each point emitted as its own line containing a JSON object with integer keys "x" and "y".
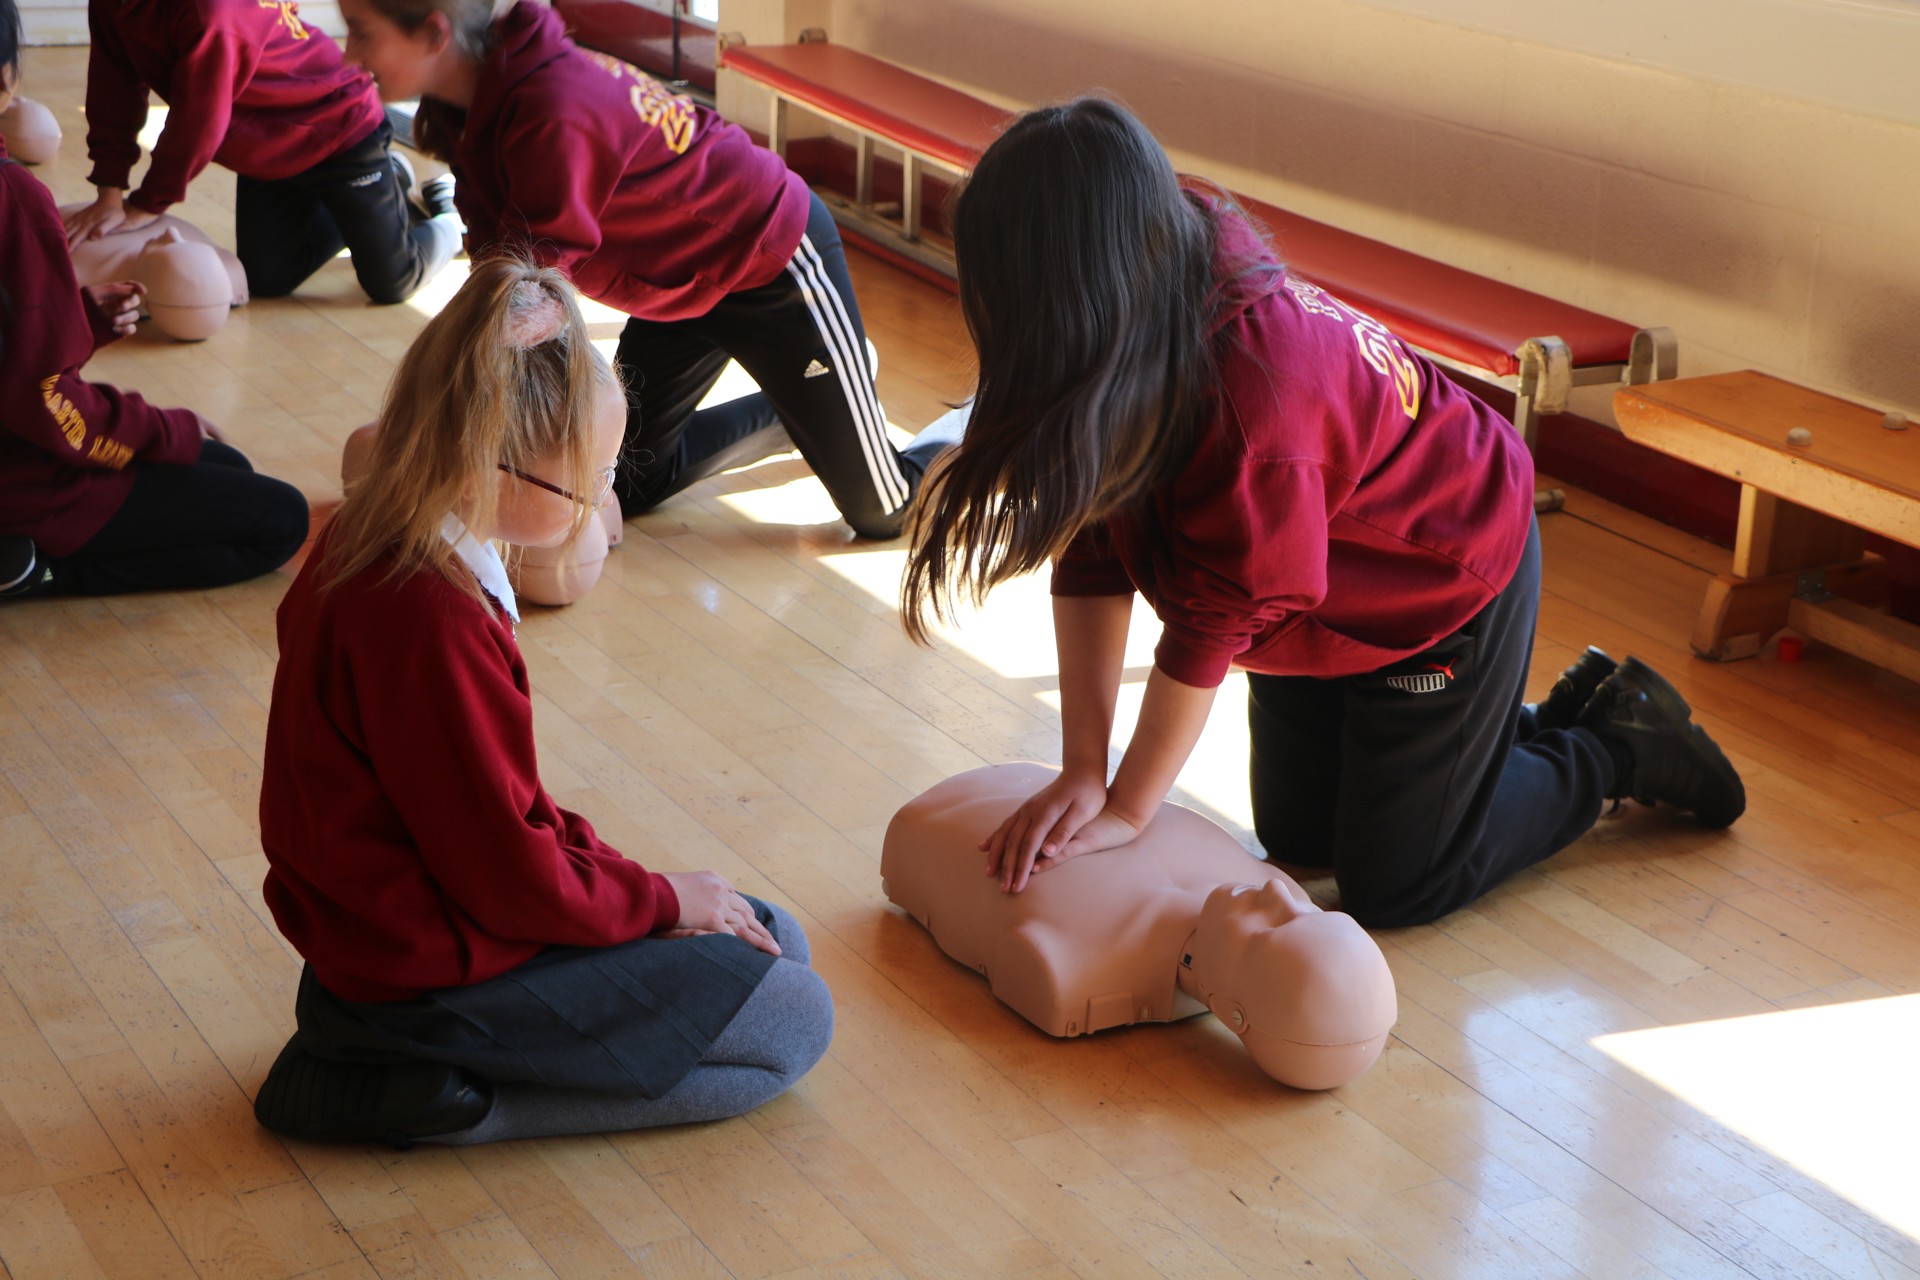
{"x": 1777, "y": 536}
{"x": 1782, "y": 551}
{"x": 863, "y": 171}
{"x": 910, "y": 195}
{"x": 777, "y": 127}
{"x": 1742, "y": 614}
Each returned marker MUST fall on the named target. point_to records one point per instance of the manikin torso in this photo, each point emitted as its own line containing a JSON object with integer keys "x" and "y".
{"x": 1181, "y": 921}
{"x": 113, "y": 257}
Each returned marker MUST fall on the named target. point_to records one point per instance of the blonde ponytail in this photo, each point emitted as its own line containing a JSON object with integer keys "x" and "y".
{"x": 504, "y": 374}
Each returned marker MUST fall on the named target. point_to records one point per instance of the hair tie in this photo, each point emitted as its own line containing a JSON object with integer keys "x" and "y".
{"x": 534, "y": 316}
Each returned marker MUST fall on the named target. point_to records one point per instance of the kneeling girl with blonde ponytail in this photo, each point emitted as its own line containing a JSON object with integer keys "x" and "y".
{"x": 479, "y": 964}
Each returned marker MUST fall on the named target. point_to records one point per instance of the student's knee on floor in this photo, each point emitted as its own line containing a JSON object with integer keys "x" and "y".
{"x": 1378, "y": 904}
{"x": 389, "y": 293}
{"x": 808, "y": 1008}
{"x": 287, "y": 522}
{"x": 879, "y": 528}
{"x": 1304, "y": 855}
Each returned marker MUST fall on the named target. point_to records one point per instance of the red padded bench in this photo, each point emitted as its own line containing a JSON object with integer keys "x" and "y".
{"x": 1536, "y": 347}
{"x": 926, "y": 122}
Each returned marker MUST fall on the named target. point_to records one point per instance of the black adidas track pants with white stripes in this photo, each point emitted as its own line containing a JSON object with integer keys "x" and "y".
{"x": 801, "y": 339}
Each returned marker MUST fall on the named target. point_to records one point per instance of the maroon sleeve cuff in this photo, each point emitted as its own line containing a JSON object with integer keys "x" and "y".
{"x": 1191, "y": 662}
{"x": 179, "y": 441}
{"x": 150, "y": 202}
{"x": 666, "y": 903}
{"x": 111, "y": 173}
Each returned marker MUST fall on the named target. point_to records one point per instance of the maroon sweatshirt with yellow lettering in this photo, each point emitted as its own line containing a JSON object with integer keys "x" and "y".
{"x": 1345, "y": 506}
{"x": 651, "y": 202}
{"x": 247, "y": 83}
{"x": 66, "y": 444}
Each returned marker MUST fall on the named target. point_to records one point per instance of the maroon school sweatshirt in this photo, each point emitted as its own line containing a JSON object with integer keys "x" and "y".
{"x": 66, "y": 444}
{"x": 1345, "y": 506}
{"x": 409, "y": 842}
{"x": 651, "y": 202}
{"x": 246, "y": 82}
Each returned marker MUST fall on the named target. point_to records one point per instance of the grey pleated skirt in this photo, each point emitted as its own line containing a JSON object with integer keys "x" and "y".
{"x": 628, "y": 1019}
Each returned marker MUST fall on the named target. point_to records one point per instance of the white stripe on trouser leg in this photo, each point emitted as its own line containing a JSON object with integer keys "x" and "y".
{"x": 837, "y": 332}
{"x": 856, "y": 379}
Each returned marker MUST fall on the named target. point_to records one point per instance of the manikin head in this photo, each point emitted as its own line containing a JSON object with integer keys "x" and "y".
{"x": 188, "y": 290}
{"x": 31, "y": 131}
{"x": 1306, "y": 990}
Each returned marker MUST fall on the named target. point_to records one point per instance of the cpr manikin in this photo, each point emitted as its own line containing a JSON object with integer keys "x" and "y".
{"x": 31, "y": 131}
{"x": 1179, "y": 922}
{"x": 191, "y": 282}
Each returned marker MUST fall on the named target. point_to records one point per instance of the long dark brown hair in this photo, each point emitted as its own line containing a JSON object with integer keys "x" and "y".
{"x": 1085, "y": 279}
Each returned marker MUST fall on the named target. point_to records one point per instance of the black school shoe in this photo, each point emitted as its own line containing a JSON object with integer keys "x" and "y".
{"x": 320, "y": 1101}
{"x": 1674, "y": 761}
{"x": 1561, "y": 708}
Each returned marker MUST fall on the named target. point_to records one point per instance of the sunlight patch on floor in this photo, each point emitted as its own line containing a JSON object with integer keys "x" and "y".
{"x": 1830, "y": 1090}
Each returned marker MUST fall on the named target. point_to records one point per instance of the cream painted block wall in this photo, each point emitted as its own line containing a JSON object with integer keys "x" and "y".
{"x": 1769, "y": 231}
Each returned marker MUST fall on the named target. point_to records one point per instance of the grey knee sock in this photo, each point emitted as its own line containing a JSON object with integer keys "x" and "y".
{"x": 779, "y": 1033}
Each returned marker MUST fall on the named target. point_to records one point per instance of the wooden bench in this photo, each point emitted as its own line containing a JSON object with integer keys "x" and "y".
{"x": 1805, "y": 508}
{"x": 1530, "y": 344}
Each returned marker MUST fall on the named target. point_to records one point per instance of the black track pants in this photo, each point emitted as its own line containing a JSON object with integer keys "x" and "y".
{"x": 801, "y": 339}
{"x": 285, "y": 231}
{"x": 205, "y": 524}
{"x": 1423, "y": 785}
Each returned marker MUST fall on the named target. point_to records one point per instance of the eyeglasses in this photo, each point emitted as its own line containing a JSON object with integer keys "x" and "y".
{"x": 602, "y": 490}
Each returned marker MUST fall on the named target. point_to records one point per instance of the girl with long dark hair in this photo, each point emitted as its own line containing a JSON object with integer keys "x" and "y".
{"x": 1163, "y": 408}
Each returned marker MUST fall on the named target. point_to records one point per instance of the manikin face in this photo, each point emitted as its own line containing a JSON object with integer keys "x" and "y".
{"x": 1306, "y": 990}
{"x": 534, "y": 517}
{"x": 403, "y": 64}
{"x": 1241, "y": 950}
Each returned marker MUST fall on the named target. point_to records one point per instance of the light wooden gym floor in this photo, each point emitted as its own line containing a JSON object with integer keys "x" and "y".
{"x": 1665, "y": 1052}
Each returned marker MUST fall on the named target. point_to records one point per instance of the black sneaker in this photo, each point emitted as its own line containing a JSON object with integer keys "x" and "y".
{"x": 435, "y": 197}
{"x": 317, "y": 1100}
{"x": 22, "y": 567}
{"x": 1674, "y": 761}
{"x": 1561, "y": 708}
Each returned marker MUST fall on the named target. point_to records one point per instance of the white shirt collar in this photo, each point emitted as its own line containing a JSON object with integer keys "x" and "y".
{"x": 484, "y": 560}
